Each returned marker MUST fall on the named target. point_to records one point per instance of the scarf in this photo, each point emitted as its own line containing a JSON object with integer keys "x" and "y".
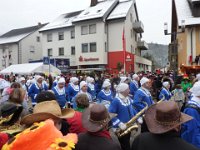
{"x": 103, "y": 133}
{"x": 79, "y": 109}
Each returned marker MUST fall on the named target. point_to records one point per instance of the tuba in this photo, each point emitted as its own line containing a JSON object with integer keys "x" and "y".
{"x": 130, "y": 124}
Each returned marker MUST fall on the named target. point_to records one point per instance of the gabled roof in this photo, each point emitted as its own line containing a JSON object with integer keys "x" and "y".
{"x": 16, "y": 35}
{"x": 64, "y": 20}
{"x": 184, "y": 12}
{"x": 121, "y": 10}
{"x": 101, "y": 10}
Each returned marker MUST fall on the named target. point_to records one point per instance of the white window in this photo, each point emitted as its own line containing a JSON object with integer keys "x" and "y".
{"x": 106, "y": 48}
{"x": 136, "y": 39}
{"x": 84, "y": 30}
{"x": 61, "y": 36}
{"x": 32, "y": 49}
{"x": 72, "y": 34}
{"x": 92, "y": 28}
{"x": 93, "y": 47}
{"x": 61, "y": 51}
{"x": 49, "y": 37}
{"x": 84, "y": 48}
{"x": 73, "y": 52}
{"x": 131, "y": 17}
{"x": 49, "y": 52}
{"x": 38, "y": 39}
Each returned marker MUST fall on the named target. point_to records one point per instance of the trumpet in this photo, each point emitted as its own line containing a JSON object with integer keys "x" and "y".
{"x": 130, "y": 124}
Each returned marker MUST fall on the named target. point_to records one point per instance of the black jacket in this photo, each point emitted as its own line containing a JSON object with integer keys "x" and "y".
{"x": 168, "y": 141}
{"x": 87, "y": 141}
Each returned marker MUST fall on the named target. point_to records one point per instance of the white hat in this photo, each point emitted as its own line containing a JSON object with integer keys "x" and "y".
{"x": 106, "y": 84}
{"x": 22, "y": 79}
{"x": 123, "y": 79}
{"x": 73, "y": 79}
{"x": 37, "y": 77}
{"x": 198, "y": 77}
{"x": 87, "y": 79}
{"x": 134, "y": 76}
{"x": 58, "y": 77}
{"x": 196, "y": 89}
{"x": 107, "y": 80}
{"x": 122, "y": 87}
{"x": 90, "y": 80}
{"x": 144, "y": 80}
{"x": 165, "y": 84}
{"x": 83, "y": 83}
{"x": 61, "y": 80}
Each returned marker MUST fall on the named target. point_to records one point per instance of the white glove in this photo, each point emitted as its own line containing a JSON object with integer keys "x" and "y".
{"x": 140, "y": 120}
{"x": 35, "y": 96}
{"x": 122, "y": 126}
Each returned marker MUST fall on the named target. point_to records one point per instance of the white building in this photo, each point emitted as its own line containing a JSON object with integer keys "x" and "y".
{"x": 20, "y": 46}
{"x": 100, "y": 37}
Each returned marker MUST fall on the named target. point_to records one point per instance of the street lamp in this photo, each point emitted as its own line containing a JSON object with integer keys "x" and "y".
{"x": 174, "y": 57}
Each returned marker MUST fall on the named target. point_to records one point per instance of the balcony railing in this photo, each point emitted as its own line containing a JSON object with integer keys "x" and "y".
{"x": 142, "y": 45}
{"x": 138, "y": 27}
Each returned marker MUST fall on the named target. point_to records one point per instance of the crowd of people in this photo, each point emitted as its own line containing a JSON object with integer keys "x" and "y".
{"x": 80, "y": 111}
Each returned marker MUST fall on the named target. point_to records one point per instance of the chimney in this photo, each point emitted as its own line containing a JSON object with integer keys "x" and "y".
{"x": 93, "y": 3}
{"x": 39, "y": 24}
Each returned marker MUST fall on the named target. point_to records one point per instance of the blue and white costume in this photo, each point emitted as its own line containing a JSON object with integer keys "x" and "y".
{"x": 123, "y": 108}
{"x": 61, "y": 95}
{"x": 72, "y": 89}
{"x": 92, "y": 91}
{"x": 133, "y": 88}
{"x": 165, "y": 94}
{"x": 35, "y": 90}
{"x": 190, "y": 131}
{"x": 105, "y": 97}
{"x": 141, "y": 97}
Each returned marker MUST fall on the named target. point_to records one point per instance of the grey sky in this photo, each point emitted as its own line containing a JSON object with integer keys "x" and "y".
{"x": 22, "y": 13}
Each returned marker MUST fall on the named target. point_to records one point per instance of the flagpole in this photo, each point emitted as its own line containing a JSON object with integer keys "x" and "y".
{"x": 124, "y": 50}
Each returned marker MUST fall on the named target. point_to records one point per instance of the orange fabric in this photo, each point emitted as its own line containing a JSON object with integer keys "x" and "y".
{"x": 38, "y": 139}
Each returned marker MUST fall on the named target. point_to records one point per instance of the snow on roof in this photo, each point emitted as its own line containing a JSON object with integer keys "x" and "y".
{"x": 13, "y": 39}
{"x": 98, "y": 11}
{"x": 121, "y": 10}
{"x": 64, "y": 20}
{"x": 184, "y": 13}
{"x": 16, "y": 35}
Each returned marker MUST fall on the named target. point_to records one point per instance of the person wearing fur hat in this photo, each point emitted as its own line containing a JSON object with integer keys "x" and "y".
{"x": 122, "y": 106}
{"x": 165, "y": 93}
{"x": 36, "y": 88}
{"x": 91, "y": 88}
{"x": 60, "y": 92}
{"x": 95, "y": 120}
{"x": 134, "y": 85}
{"x": 164, "y": 121}
{"x": 143, "y": 95}
{"x": 72, "y": 89}
{"x": 83, "y": 90}
{"x": 105, "y": 95}
{"x": 191, "y": 129}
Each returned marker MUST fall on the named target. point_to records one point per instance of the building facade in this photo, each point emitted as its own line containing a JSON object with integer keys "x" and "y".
{"x": 99, "y": 38}
{"x": 187, "y": 44}
{"x": 20, "y": 46}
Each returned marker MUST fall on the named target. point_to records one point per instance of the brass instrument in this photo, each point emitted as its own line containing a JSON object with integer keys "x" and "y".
{"x": 130, "y": 124}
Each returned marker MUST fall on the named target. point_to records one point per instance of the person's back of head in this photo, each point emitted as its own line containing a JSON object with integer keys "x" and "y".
{"x": 45, "y": 96}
